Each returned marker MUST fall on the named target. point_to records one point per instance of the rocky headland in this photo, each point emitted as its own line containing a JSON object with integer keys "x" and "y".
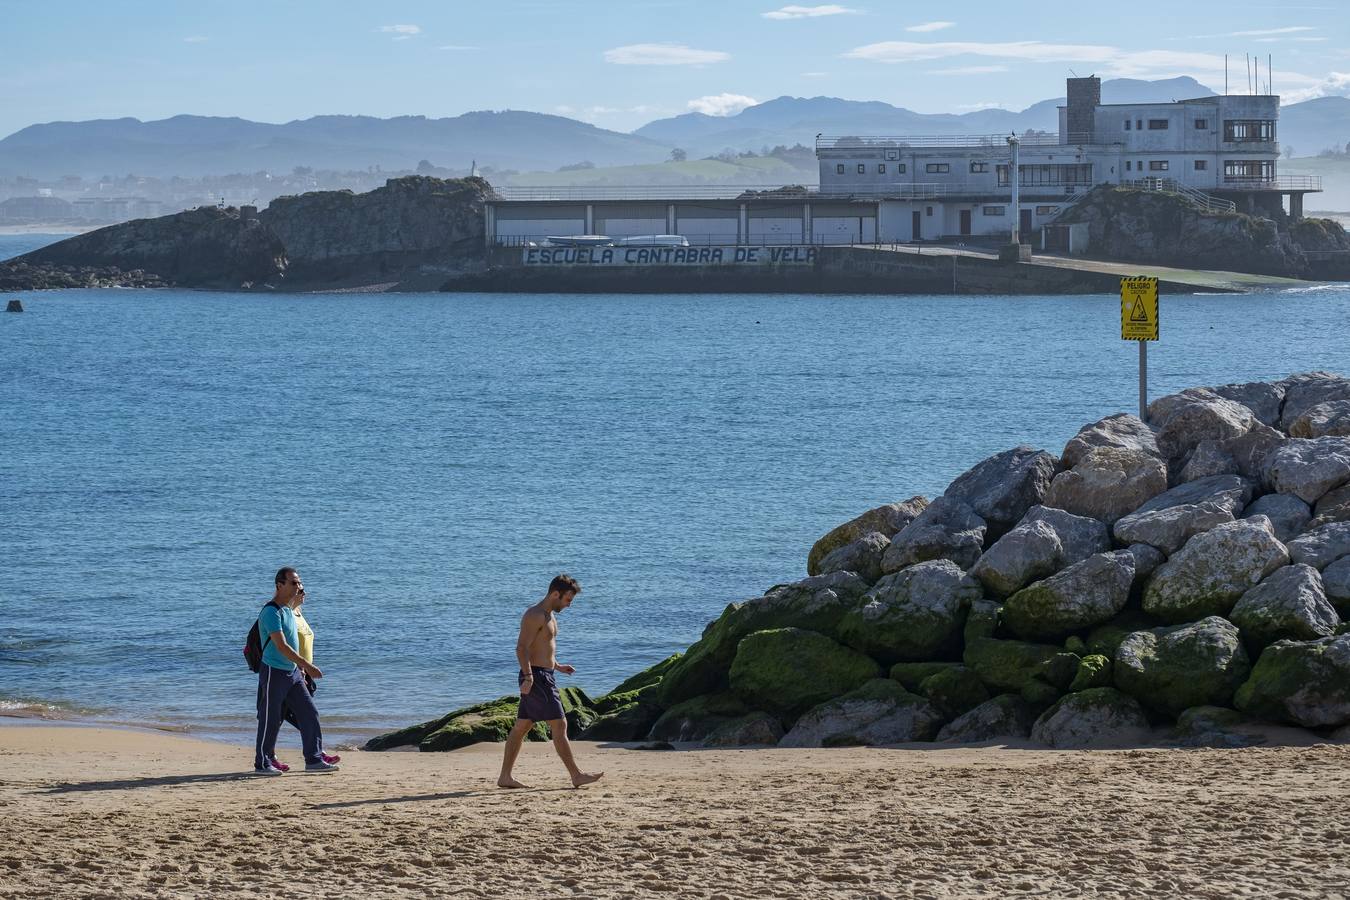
{"x": 415, "y": 233}
{"x": 1184, "y": 580}
{"x": 1132, "y": 225}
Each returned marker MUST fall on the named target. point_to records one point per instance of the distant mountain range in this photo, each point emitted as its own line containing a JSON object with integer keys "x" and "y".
{"x": 198, "y": 145}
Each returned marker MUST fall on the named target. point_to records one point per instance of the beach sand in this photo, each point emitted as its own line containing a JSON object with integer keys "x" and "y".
{"x": 105, "y": 812}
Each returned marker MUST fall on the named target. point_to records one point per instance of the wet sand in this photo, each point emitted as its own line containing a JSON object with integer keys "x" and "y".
{"x": 108, "y": 812}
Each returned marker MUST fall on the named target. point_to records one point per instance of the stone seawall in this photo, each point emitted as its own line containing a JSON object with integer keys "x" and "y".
{"x": 836, "y": 270}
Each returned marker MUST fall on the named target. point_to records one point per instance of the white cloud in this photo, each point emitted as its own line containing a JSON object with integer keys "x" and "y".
{"x": 195, "y": 39}
{"x": 975, "y": 107}
{"x": 968, "y": 70}
{"x": 400, "y": 32}
{"x": 721, "y": 104}
{"x": 1335, "y": 84}
{"x": 808, "y": 12}
{"x": 814, "y": 74}
{"x": 1292, "y": 29}
{"x": 1110, "y": 61}
{"x": 930, "y": 26}
{"x": 663, "y": 55}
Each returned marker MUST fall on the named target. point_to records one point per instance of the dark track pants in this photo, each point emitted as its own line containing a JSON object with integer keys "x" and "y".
{"x": 275, "y": 688}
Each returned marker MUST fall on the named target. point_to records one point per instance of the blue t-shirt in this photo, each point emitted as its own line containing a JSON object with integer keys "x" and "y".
{"x": 277, "y": 619}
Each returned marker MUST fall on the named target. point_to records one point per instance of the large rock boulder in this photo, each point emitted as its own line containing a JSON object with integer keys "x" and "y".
{"x": 1121, "y": 431}
{"x": 946, "y": 529}
{"x": 878, "y": 712}
{"x": 786, "y": 671}
{"x": 1081, "y": 536}
{"x": 1108, "y": 483}
{"x": 1309, "y": 389}
{"x": 1214, "y": 569}
{"x": 1101, "y": 717}
{"x": 649, "y": 676}
{"x": 1030, "y": 551}
{"x": 1308, "y": 468}
{"x": 862, "y": 557}
{"x": 623, "y": 717}
{"x": 1173, "y": 517}
{"x": 1333, "y": 507}
{"x": 1005, "y": 716}
{"x": 1325, "y": 419}
{"x": 1321, "y": 546}
{"x": 1085, "y": 594}
{"x": 1262, "y": 398}
{"x": 1290, "y": 604}
{"x": 1009, "y": 665}
{"x": 755, "y": 729}
{"x": 913, "y": 674}
{"x": 1171, "y": 669}
{"x": 887, "y": 520}
{"x": 1195, "y": 415}
{"x": 915, "y": 614}
{"x": 816, "y": 604}
{"x": 1216, "y": 726}
{"x": 1288, "y": 515}
{"x": 1003, "y": 487}
{"x": 954, "y": 691}
{"x": 698, "y": 717}
{"x": 1303, "y": 682}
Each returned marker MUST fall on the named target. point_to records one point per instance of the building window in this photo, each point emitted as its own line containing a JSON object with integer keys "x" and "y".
{"x": 881, "y": 168}
{"x": 1046, "y": 210}
{"x": 938, "y": 168}
{"x": 1157, "y": 165}
{"x": 901, "y": 168}
{"x": 1127, "y": 124}
{"x": 1201, "y": 165}
{"x": 1138, "y": 124}
{"x": 1127, "y": 165}
{"x": 892, "y": 154}
{"x": 862, "y": 168}
{"x": 978, "y": 167}
{"x": 1241, "y": 170}
{"x": 1202, "y": 124}
{"x": 928, "y": 211}
{"x": 1157, "y": 124}
{"x": 996, "y": 210}
{"x": 1057, "y": 173}
{"x": 1241, "y": 131}
{"x": 839, "y": 169}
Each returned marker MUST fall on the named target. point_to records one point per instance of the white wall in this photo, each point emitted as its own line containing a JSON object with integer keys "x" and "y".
{"x": 630, "y": 227}
{"x": 776, "y": 230}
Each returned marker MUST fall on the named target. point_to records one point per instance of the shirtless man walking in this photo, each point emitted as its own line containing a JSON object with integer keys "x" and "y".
{"x": 536, "y": 650}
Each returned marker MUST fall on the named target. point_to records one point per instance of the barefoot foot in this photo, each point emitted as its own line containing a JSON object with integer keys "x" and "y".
{"x": 586, "y": 778}
{"x": 509, "y": 783}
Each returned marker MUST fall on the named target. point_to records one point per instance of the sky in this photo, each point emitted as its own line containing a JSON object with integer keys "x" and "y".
{"x": 620, "y": 65}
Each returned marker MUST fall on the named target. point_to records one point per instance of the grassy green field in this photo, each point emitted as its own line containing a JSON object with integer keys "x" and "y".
{"x": 752, "y": 170}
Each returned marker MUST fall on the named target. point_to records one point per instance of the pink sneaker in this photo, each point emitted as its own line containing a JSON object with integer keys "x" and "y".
{"x": 277, "y": 764}
{"x": 331, "y": 759}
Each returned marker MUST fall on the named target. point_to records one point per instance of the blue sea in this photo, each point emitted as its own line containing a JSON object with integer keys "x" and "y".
{"x": 429, "y": 461}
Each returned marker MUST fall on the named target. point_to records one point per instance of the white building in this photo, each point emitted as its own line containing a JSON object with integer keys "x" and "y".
{"x": 933, "y": 187}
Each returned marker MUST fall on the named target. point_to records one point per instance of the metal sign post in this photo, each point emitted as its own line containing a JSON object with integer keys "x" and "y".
{"x": 1139, "y": 322}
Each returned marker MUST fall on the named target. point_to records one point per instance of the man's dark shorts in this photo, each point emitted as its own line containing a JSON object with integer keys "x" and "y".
{"x": 542, "y": 703}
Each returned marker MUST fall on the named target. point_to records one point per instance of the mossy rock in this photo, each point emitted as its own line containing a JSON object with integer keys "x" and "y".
{"x": 879, "y": 711}
{"x": 1106, "y": 639}
{"x": 647, "y": 677}
{"x": 752, "y": 729}
{"x": 1076, "y": 645}
{"x": 1215, "y": 726}
{"x": 786, "y": 671}
{"x": 982, "y": 621}
{"x": 954, "y": 691}
{"x": 1039, "y": 694}
{"x": 1096, "y": 717}
{"x": 697, "y": 717}
{"x": 912, "y": 674}
{"x": 1173, "y": 669}
{"x": 415, "y": 734}
{"x": 887, "y": 520}
{"x": 1094, "y": 671}
{"x": 816, "y": 604}
{"x": 578, "y": 709}
{"x": 1007, "y": 666}
{"x": 1059, "y": 670}
{"x": 1303, "y": 682}
{"x": 916, "y": 614}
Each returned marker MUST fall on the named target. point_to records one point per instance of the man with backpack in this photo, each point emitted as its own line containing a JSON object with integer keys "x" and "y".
{"x": 281, "y": 681}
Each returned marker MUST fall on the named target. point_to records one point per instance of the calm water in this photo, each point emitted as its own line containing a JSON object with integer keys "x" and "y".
{"x": 428, "y": 462}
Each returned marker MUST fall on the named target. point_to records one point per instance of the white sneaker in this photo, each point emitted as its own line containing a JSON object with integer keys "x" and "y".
{"x": 321, "y": 766}
{"x": 268, "y": 769}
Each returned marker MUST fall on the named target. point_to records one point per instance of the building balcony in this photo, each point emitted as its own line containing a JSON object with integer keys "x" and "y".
{"x": 1275, "y": 183}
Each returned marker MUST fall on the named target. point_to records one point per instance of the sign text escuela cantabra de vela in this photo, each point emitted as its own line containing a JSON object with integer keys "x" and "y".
{"x": 669, "y": 256}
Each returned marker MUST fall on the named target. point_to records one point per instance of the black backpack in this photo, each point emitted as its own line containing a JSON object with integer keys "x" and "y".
{"x": 254, "y": 644}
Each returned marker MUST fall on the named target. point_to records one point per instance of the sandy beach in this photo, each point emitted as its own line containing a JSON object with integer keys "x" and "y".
{"x": 107, "y": 812}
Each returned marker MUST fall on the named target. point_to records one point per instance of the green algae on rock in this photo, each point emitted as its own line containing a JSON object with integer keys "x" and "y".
{"x": 788, "y": 670}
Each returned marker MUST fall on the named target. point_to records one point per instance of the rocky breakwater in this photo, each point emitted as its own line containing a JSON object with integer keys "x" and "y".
{"x": 414, "y": 232}
{"x": 1185, "y": 580}
{"x": 1135, "y": 225}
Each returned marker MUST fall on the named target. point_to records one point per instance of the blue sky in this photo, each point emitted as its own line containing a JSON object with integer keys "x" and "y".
{"x": 621, "y": 64}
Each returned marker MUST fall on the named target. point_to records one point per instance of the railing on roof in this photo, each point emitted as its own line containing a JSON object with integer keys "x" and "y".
{"x": 893, "y": 141}
{"x": 678, "y": 192}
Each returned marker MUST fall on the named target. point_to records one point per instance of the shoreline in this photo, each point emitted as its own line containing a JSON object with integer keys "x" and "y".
{"x": 166, "y": 814}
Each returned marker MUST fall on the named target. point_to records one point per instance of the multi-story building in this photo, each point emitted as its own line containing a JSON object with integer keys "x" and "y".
{"x": 932, "y": 187}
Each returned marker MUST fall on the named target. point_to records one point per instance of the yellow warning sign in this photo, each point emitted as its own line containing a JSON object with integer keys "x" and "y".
{"x": 1139, "y": 309}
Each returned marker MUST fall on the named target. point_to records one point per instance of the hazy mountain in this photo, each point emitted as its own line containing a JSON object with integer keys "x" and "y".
{"x": 791, "y": 120}
{"x": 1316, "y": 125}
{"x": 199, "y": 145}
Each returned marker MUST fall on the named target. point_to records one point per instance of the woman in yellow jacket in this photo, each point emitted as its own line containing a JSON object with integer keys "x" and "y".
{"x": 305, "y": 638}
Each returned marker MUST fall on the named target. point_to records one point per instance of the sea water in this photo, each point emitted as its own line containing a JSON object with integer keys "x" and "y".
{"x": 429, "y": 461}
